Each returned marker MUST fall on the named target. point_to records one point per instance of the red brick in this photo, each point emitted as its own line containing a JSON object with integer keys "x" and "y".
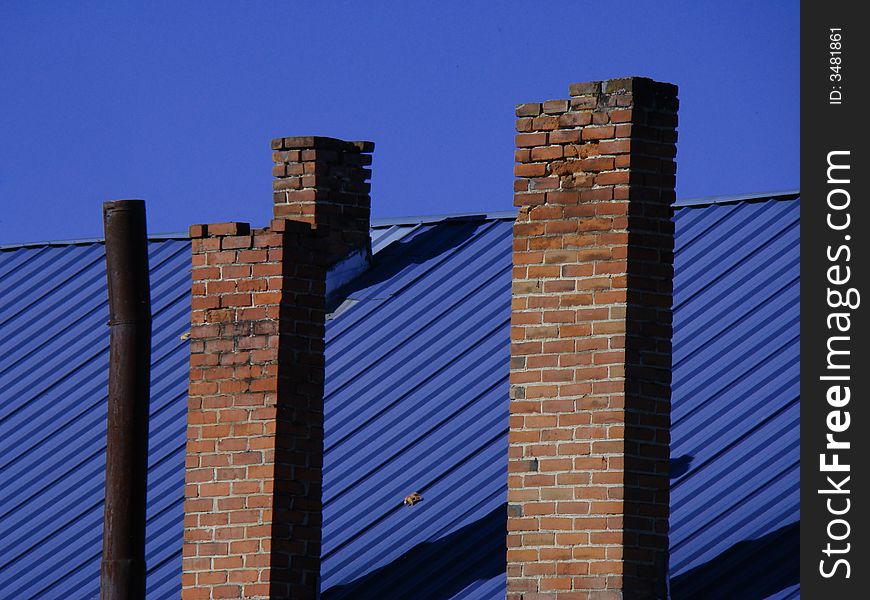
{"x": 528, "y": 110}
{"x": 575, "y": 119}
{"x": 530, "y": 170}
{"x": 546, "y": 123}
{"x": 234, "y": 228}
{"x": 569, "y": 387}
{"x": 242, "y": 294}
{"x": 528, "y": 140}
{"x": 598, "y": 133}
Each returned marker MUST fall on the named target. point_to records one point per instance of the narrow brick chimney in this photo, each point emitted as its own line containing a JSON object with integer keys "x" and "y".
{"x": 323, "y": 181}
{"x": 252, "y": 512}
{"x": 588, "y": 487}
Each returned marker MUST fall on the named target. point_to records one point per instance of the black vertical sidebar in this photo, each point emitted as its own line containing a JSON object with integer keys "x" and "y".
{"x": 835, "y": 370}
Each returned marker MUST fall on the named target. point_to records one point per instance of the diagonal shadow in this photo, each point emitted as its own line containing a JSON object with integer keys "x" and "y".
{"x": 747, "y": 570}
{"x": 443, "y": 569}
{"x": 437, "y": 570}
{"x": 432, "y": 241}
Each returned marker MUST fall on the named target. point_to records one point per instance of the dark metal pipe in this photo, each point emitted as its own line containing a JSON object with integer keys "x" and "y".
{"x": 122, "y": 571}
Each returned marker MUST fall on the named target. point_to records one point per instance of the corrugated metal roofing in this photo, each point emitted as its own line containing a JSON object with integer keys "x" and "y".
{"x": 735, "y": 416}
{"x": 416, "y": 389}
{"x": 416, "y": 401}
{"x": 53, "y": 379}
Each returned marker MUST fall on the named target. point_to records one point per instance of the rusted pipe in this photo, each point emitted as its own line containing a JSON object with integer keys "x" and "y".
{"x": 122, "y": 570}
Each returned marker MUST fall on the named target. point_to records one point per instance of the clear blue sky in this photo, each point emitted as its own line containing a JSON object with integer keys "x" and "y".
{"x": 176, "y": 102}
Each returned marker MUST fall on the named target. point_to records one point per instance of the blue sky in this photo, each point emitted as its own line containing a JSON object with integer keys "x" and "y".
{"x": 176, "y": 102}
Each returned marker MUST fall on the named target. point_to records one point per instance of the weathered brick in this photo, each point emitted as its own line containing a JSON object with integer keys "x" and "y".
{"x": 256, "y": 290}
{"x": 529, "y": 140}
{"x": 574, "y": 338}
{"x": 528, "y": 110}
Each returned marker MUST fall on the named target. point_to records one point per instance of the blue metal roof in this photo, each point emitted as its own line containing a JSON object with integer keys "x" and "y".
{"x": 416, "y": 401}
{"x": 54, "y": 349}
{"x": 735, "y": 396}
{"x": 416, "y": 389}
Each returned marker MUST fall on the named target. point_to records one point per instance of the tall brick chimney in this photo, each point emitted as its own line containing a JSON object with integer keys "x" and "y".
{"x": 588, "y": 487}
{"x": 252, "y": 512}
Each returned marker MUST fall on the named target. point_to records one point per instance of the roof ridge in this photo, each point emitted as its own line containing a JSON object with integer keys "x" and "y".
{"x": 511, "y": 214}
{"x": 427, "y": 219}
{"x": 733, "y": 198}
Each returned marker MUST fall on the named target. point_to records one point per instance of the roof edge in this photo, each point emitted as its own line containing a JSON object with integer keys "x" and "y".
{"x": 428, "y": 219}
{"x": 502, "y": 215}
{"x": 511, "y": 214}
{"x": 152, "y": 237}
{"x": 731, "y": 199}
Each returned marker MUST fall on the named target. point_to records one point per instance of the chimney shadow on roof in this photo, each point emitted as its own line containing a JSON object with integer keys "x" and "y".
{"x": 416, "y": 248}
{"x": 437, "y": 570}
{"x": 749, "y": 569}
{"x": 680, "y": 465}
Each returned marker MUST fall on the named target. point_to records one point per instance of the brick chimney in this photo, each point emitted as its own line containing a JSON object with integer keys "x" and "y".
{"x": 588, "y": 487}
{"x": 252, "y": 512}
{"x": 323, "y": 181}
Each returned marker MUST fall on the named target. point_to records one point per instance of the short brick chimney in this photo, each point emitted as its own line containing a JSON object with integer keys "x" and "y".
{"x": 588, "y": 487}
{"x": 324, "y": 182}
{"x": 252, "y": 512}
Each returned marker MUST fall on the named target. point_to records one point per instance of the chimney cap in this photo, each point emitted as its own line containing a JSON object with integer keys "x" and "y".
{"x": 307, "y": 142}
